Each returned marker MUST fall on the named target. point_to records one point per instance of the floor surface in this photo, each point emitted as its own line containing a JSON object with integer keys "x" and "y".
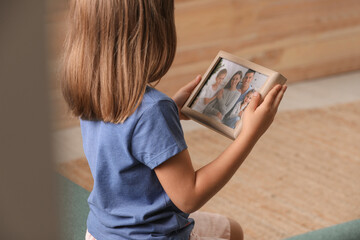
{"x": 302, "y": 175}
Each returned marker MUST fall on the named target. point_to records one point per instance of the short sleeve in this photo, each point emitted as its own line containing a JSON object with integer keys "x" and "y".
{"x": 158, "y": 135}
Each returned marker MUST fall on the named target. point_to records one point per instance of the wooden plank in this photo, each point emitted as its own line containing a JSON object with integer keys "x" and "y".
{"x": 303, "y": 39}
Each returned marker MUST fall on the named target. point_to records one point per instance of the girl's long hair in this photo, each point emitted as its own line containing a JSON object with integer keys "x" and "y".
{"x": 113, "y": 49}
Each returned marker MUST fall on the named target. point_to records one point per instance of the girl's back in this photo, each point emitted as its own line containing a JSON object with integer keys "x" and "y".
{"x": 127, "y": 199}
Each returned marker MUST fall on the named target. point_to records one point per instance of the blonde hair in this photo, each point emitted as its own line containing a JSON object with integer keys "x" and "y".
{"x": 222, "y": 71}
{"x": 114, "y": 48}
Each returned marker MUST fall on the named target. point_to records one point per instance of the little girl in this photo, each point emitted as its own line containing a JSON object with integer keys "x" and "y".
{"x": 144, "y": 182}
{"x": 238, "y": 110}
{"x": 209, "y": 91}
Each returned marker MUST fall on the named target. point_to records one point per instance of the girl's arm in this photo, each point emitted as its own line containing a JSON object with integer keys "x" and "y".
{"x": 189, "y": 189}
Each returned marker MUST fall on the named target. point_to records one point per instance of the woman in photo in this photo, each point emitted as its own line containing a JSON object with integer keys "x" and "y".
{"x": 225, "y": 98}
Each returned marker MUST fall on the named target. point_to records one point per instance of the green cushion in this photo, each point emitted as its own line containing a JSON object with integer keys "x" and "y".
{"x": 73, "y": 209}
{"x": 344, "y": 231}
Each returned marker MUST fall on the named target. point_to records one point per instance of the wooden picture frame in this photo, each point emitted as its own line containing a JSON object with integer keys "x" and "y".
{"x": 220, "y": 98}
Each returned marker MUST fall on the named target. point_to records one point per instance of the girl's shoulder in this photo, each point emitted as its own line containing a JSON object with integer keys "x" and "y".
{"x": 152, "y": 95}
{"x": 153, "y": 101}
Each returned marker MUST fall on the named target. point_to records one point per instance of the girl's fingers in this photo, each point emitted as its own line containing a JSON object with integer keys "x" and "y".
{"x": 191, "y": 85}
{"x": 271, "y": 96}
{"x": 254, "y": 103}
{"x": 279, "y": 96}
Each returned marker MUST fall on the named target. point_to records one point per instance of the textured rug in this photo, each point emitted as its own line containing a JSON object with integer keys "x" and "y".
{"x": 303, "y": 174}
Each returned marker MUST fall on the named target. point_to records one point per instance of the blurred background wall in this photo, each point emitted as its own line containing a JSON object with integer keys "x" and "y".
{"x": 303, "y": 39}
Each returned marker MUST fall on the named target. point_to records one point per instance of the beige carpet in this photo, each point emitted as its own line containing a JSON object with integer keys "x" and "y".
{"x": 304, "y": 173}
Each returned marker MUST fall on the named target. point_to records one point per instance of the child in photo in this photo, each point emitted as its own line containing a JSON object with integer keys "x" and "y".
{"x": 145, "y": 186}
{"x": 239, "y": 109}
{"x": 208, "y": 93}
{"x": 225, "y": 98}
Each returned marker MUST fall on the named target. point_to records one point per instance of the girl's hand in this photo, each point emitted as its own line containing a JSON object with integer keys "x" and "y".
{"x": 183, "y": 94}
{"x": 220, "y": 94}
{"x": 258, "y": 118}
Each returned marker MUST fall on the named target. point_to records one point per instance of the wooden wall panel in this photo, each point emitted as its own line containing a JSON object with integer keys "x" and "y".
{"x": 302, "y": 39}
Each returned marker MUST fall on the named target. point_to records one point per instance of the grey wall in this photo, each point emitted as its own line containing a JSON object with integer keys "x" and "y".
{"x": 27, "y": 193}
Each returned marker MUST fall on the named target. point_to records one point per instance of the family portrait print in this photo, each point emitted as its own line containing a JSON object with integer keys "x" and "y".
{"x": 227, "y": 92}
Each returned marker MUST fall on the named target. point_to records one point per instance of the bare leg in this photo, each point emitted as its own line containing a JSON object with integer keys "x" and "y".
{"x": 236, "y": 232}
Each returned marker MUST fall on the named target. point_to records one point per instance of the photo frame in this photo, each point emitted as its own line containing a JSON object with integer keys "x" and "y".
{"x": 225, "y": 90}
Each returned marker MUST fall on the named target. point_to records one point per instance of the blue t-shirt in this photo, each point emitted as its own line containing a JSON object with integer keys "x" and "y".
{"x": 128, "y": 201}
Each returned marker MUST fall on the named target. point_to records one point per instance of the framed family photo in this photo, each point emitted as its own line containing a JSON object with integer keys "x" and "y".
{"x": 220, "y": 99}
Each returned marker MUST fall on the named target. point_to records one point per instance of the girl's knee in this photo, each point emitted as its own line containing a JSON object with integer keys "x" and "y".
{"x": 236, "y": 232}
